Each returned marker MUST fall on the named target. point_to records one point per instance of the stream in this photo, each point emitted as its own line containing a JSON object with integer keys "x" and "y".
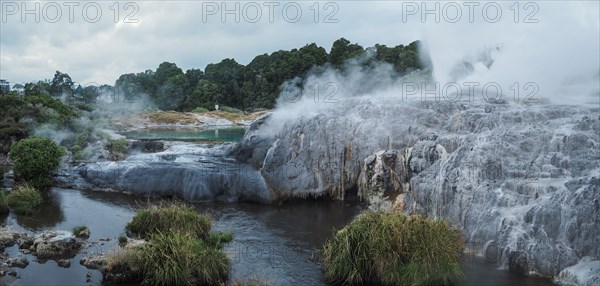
{"x": 272, "y": 243}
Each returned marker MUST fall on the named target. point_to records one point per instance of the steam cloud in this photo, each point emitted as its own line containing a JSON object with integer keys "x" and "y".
{"x": 559, "y": 54}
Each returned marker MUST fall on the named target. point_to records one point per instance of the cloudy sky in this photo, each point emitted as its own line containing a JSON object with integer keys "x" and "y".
{"x": 98, "y": 41}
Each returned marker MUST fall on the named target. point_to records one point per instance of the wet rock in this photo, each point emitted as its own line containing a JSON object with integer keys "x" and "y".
{"x": 154, "y": 146}
{"x": 134, "y": 243}
{"x": 56, "y": 244}
{"x": 20, "y": 262}
{"x": 26, "y": 242}
{"x": 10, "y": 237}
{"x": 586, "y": 272}
{"x": 94, "y": 261}
{"x": 64, "y": 263}
{"x": 121, "y": 273}
{"x": 382, "y": 177}
{"x": 104, "y": 239}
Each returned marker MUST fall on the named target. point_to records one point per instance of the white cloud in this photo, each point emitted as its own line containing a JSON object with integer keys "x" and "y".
{"x": 174, "y": 31}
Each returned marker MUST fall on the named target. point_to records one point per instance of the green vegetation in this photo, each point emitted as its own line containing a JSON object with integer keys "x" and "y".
{"x": 118, "y": 149}
{"x": 34, "y": 159}
{"x": 256, "y": 85}
{"x": 122, "y": 266}
{"x": 180, "y": 250}
{"x": 24, "y": 198}
{"x": 169, "y": 218}
{"x": 180, "y": 259}
{"x": 20, "y": 115}
{"x": 200, "y": 110}
{"x": 123, "y": 240}
{"x": 218, "y": 239}
{"x": 393, "y": 249}
{"x": 3, "y": 202}
{"x": 79, "y": 231}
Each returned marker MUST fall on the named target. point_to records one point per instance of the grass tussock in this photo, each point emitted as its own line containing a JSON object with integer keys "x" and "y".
{"x": 171, "y": 117}
{"x": 79, "y": 231}
{"x": 178, "y": 258}
{"x": 122, "y": 266}
{"x": 169, "y": 218}
{"x": 218, "y": 239}
{"x": 393, "y": 249}
{"x": 24, "y": 198}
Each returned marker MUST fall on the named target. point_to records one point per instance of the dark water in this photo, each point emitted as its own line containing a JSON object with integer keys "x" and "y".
{"x": 275, "y": 244}
{"x": 232, "y": 134}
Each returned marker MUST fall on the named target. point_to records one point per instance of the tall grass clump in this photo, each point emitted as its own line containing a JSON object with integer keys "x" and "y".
{"x": 178, "y": 258}
{"x": 393, "y": 249}
{"x": 169, "y": 218}
{"x": 122, "y": 266}
{"x": 218, "y": 239}
{"x": 24, "y": 198}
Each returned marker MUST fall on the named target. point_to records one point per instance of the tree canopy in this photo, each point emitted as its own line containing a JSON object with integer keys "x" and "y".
{"x": 251, "y": 86}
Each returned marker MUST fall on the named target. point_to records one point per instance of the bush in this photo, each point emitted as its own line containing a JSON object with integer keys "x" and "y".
{"x": 393, "y": 249}
{"x": 118, "y": 149}
{"x": 169, "y": 218}
{"x": 122, "y": 240}
{"x": 200, "y": 110}
{"x": 3, "y": 202}
{"x": 34, "y": 159}
{"x": 230, "y": 109}
{"x": 180, "y": 258}
{"x": 23, "y": 199}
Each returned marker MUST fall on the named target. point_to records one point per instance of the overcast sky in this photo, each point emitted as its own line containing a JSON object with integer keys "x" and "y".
{"x": 91, "y": 47}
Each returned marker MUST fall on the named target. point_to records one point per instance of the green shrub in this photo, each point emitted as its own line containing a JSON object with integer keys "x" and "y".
{"x": 123, "y": 240}
{"x": 178, "y": 258}
{"x": 393, "y": 249}
{"x": 169, "y": 218}
{"x": 118, "y": 148}
{"x": 200, "y": 110}
{"x": 218, "y": 239}
{"x": 77, "y": 231}
{"x": 24, "y": 198}
{"x": 3, "y": 202}
{"x": 230, "y": 109}
{"x": 34, "y": 159}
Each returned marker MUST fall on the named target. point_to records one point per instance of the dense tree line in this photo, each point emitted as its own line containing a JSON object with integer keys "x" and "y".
{"x": 255, "y": 85}
{"x": 227, "y": 83}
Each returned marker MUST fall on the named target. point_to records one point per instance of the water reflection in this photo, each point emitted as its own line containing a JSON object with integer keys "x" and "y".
{"x": 46, "y": 216}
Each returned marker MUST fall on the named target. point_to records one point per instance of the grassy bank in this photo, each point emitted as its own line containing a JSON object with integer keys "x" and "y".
{"x": 393, "y": 249}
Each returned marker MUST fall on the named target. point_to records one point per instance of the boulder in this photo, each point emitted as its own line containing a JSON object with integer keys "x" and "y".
{"x": 56, "y": 244}
{"x": 94, "y": 261}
